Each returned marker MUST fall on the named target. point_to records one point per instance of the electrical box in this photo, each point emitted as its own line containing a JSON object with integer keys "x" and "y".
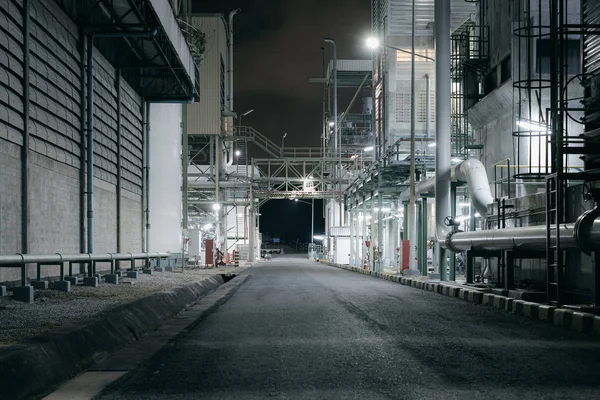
{"x": 195, "y": 244}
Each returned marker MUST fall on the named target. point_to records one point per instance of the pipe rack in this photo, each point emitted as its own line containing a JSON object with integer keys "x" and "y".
{"x": 22, "y": 260}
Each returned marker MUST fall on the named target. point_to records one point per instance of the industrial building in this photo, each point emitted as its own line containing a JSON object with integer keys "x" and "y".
{"x": 460, "y": 155}
{"x": 486, "y": 157}
{"x": 468, "y": 150}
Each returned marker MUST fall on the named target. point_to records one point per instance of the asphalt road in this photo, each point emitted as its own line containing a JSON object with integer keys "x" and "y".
{"x": 301, "y": 330}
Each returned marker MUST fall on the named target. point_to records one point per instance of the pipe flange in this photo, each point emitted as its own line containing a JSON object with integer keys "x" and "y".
{"x": 582, "y": 229}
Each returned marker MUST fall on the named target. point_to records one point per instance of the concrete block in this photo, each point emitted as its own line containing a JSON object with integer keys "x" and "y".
{"x": 475, "y": 297}
{"x": 488, "y": 299}
{"x": 23, "y": 293}
{"x": 546, "y": 313}
{"x": 509, "y": 304}
{"x": 147, "y": 271}
{"x": 91, "y": 281}
{"x": 159, "y": 269}
{"x": 434, "y": 276}
{"x": 563, "y": 317}
{"x": 582, "y": 322}
{"x": 530, "y": 309}
{"x": 63, "y": 286}
{"x": 111, "y": 278}
{"x": 38, "y": 285}
{"x": 132, "y": 274}
{"x": 517, "y": 307}
{"x": 73, "y": 280}
{"x": 500, "y": 302}
{"x": 2, "y": 291}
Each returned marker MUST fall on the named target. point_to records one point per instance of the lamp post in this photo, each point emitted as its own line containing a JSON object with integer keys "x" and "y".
{"x": 374, "y": 43}
{"x": 312, "y": 212}
{"x": 282, "y": 143}
{"x": 243, "y": 115}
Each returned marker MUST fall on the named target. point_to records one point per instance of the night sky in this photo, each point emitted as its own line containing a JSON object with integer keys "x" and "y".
{"x": 277, "y": 49}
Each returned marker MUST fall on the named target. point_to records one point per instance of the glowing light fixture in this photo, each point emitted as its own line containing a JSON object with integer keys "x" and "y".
{"x": 532, "y": 126}
{"x": 370, "y": 148}
{"x": 372, "y": 43}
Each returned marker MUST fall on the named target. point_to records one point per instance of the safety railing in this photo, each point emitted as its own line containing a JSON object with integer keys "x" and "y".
{"x": 23, "y": 261}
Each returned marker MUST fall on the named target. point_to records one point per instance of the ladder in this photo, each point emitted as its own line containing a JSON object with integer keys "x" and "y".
{"x": 555, "y": 191}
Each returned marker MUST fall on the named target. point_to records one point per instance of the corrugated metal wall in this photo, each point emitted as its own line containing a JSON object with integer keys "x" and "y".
{"x": 400, "y": 16}
{"x": 11, "y": 72}
{"x": 54, "y": 78}
{"x": 204, "y": 117}
{"x": 55, "y": 136}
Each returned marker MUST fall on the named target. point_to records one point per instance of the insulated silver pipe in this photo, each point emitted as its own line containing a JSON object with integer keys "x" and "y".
{"x": 18, "y": 259}
{"x": 525, "y": 238}
{"x": 442, "y": 125}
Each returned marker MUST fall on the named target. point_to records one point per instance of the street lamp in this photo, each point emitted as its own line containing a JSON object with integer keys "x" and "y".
{"x": 312, "y": 219}
{"x": 243, "y": 115}
{"x": 373, "y": 43}
{"x": 282, "y": 142}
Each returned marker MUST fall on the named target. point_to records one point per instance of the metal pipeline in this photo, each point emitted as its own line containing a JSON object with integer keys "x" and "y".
{"x": 525, "y": 238}
{"x": 472, "y": 172}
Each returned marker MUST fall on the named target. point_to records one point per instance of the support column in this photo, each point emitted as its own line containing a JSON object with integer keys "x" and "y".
{"x": 352, "y": 230}
{"x": 365, "y": 250}
{"x": 453, "y": 213}
{"x": 380, "y": 230}
{"x": 424, "y": 236}
{"x": 252, "y": 228}
{"x": 443, "y": 123}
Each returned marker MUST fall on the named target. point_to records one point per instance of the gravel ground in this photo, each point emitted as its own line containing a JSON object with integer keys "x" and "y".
{"x": 20, "y": 321}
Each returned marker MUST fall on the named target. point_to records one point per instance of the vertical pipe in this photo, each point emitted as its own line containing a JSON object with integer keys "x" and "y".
{"x": 147, "y": 182}
{"x": 427, "y": 106}
{"x": 412, "y": 216}
{"x": 82, "y": 139}
{"x": 231, "y": 15}
{"x": 442, "y": 100}
{"x": 185, "y": 161}
{"x": 119, "y": 164}
{"x": 90, "y": 144}
{"x": 25, "y": 145}
{"x": 211, "y": 152}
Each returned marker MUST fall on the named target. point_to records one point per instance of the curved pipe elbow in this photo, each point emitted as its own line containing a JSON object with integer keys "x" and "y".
{"x": 473, "y": 172}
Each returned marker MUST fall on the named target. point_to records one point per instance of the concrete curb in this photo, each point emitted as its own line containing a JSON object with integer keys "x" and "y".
{"x": 563, "y": 317}
{"x": 56, "y": 356}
